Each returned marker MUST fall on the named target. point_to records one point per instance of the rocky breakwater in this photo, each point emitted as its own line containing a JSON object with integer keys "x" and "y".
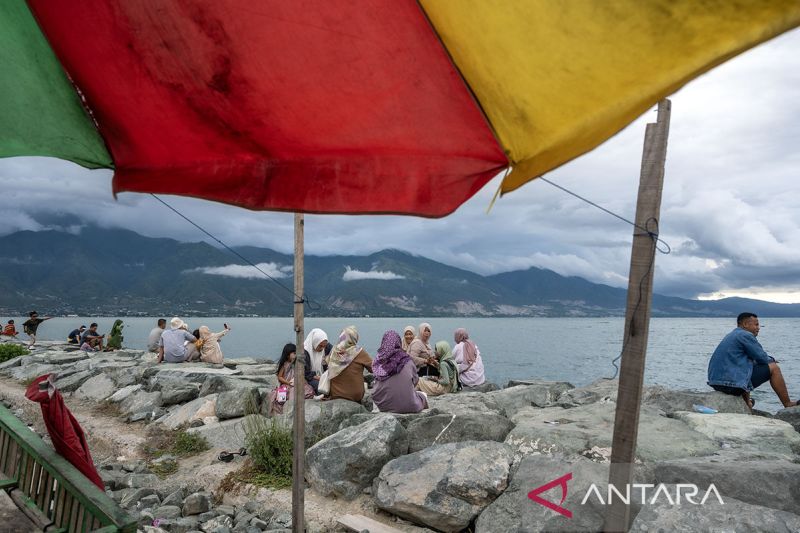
{"x": 470, "y": 461}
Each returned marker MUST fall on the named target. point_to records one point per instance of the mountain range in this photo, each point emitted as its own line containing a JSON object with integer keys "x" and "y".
{"x": 113, "y": 272}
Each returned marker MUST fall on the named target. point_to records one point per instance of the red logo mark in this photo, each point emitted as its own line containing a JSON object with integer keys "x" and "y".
{"x": 560, "y": 482}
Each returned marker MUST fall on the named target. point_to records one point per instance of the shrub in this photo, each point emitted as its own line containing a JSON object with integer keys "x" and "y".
{"x": 178, "y": 443}
{"x": 270, "y": 445}
{"x": 10, "y": 351}
{"x": 187, "y": 444}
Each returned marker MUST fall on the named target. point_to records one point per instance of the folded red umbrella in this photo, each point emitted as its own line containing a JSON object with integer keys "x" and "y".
{"x": 65, "y": 431}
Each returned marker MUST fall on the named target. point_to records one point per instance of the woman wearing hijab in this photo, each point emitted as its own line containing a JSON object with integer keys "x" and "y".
{"x": 409, "y": 333}
{"x": 115, "y": 338}
{"x": 346, "y": 365}
{"x": 447, "y": 380}
{"x": 421, "y": 352}
{"x": 210, "y": 352}
{"x": 395, "y": 378}
{"x": 468, "y": 359}
{"x": 314, "y": 346}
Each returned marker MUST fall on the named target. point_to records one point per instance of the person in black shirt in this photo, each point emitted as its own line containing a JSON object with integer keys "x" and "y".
{"x": 32, "y": 324}
{"x": 74, "y": 336}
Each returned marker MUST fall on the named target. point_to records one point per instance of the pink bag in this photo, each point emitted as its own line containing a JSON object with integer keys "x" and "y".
{"x": 283, "y": 394}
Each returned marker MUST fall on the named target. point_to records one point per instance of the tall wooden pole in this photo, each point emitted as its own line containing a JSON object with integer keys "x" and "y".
{"x": 637, "y": 316}
{"x": 298, "y": 456}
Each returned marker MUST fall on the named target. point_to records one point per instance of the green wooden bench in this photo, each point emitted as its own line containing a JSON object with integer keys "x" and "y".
{"x": 48, "y": 489}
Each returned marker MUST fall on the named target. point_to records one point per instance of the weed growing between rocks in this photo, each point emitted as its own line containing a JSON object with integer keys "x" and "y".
{"x": 269, "y": 445}
{"x": 252, "y": 475}
{"x": 163, "y": 468}
{"x": 179, "y": 443}
{"x": 10, "y": 351}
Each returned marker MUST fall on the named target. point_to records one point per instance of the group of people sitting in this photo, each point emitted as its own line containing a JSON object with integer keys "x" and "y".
{"x": 177, "y": 345}
{"x": 90, "y": 340}
{"x": 404, "y": 373}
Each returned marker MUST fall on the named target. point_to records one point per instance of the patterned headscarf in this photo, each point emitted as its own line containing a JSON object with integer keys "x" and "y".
{"x": 344, "y": 352}
{"x": 470, "y": 350}
{"x": 405, "y": 344}
{"x": 391, "y": 357}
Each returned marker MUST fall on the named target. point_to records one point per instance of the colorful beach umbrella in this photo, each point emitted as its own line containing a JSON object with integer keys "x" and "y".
{"x": 348, "y": 106}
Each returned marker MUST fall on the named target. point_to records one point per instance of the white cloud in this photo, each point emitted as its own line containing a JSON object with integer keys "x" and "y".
{"x": 729, "y": 206}
{"x": 353, "y": 275}
{"x": 246, "y": 271}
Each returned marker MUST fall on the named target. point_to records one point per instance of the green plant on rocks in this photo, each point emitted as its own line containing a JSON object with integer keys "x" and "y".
{"x": 269, "y": 445}
{"x": 179, "y": 443}
{"x": 10, "y": 351}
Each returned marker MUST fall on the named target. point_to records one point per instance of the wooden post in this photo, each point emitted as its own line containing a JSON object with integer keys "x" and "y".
{"x": 298, "y": 455}
{"x": 637, "y": 316}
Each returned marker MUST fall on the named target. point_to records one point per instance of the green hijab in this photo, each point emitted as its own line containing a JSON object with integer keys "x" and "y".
{"x": 448, "y": 371}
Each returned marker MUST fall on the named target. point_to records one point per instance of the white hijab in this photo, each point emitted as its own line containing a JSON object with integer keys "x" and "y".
{"x": 313, "y": 339}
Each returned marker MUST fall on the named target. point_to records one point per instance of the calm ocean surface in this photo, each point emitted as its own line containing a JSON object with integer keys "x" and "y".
{"x": 578, "y": 350}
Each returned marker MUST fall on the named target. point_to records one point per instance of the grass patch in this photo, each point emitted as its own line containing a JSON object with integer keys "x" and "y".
{"x": 10, "y": 351}
{"x": 179, "y": 443}
{"x": 163, "y": 468}
{"x": 249, "y": 473}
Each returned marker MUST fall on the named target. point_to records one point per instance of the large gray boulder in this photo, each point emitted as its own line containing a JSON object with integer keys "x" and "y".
{"x": 671, "y": 401}
{"x": 444, "y": 487}
{"x": 773, "y": 483}
{"x": 537, "y": 394}
{"x": 181, "y": 394}
{"x": 444, "y": 428}
{"x": 96, "y": 388}
{"x": 579, "y": 430}
{"x": 322, "y": 418}
{"x": 60, "y": 358}
{"x": 123, "y": 393}
{"x": 790, "y": 415}
{"x": 516, "y": 511}
{"x": 189, "y": 412}
{"x": 466, "y": 403}
{"x": 731, "y": 515}
{"x": 237, "y": 403}
{"x": 141, "y": 405}
{"x": 346, "y": 462}
{"x": 72, "y": 382}
{"x": 602, "y": 391}
{"x": 768, "y": 435}
{"x": 229, "y": 434}
{"x": 32, "y": 370}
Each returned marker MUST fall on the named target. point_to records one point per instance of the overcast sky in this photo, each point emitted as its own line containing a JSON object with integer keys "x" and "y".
{"x": 730, "y": 207}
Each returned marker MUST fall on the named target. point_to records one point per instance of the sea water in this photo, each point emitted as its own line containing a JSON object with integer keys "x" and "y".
{"x": 577, "y": 350}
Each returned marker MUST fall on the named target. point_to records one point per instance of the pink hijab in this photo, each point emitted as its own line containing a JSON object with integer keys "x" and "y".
{"x": 470, "y": 351}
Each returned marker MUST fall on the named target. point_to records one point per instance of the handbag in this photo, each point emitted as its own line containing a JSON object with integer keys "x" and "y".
{"x": 324, "y": 386}
{"x": 283, "y": 394}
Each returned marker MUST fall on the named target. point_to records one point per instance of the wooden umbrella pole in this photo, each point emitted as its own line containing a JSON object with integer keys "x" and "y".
{"x": 298, "y": 455}
{"x": 637, "y": 316}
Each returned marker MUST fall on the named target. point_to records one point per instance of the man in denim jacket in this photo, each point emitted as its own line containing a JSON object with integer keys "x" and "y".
{"x": 740, "y": 364}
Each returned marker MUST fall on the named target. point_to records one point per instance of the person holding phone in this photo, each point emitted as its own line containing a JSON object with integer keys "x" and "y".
{"x": 210, "y": 351}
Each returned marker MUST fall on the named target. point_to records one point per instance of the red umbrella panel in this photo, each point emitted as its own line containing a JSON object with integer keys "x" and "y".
{"x": 65, "y": 431}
